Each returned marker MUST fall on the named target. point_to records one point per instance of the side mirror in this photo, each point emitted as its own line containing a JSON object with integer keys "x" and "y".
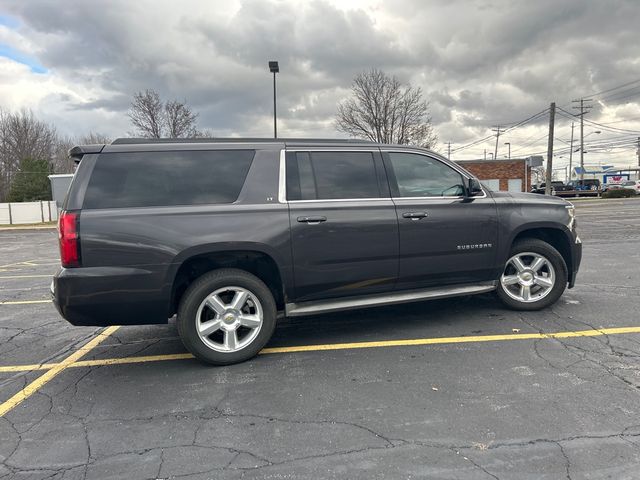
{"x": 474, "y": 188}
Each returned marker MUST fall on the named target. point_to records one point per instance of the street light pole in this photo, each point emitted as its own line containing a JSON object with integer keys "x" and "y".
{"x": 274, "y": 68}
{"x": 509, "y": 144}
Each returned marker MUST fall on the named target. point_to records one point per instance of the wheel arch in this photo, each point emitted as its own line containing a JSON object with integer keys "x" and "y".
{"x": 558, "y": 236}
{"x": 256, "y": 259}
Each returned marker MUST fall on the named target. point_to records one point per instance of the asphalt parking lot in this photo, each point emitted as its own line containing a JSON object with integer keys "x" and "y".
{"x": 454, "y": 389}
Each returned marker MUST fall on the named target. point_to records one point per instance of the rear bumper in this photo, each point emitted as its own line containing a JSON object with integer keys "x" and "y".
{"x": 101, "y": 296}
{"x": 576, "y": 259}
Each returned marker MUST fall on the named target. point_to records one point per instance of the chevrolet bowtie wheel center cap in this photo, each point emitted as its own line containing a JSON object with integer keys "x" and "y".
{"x": 526, "y": 277}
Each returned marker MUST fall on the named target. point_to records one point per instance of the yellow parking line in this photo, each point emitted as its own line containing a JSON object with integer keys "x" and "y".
{"x": 45, "y": 264}
{"x": 22, "y": 262}
{"x": 442, "y": 340}
{"x": 24, "y": 276}
{"x": 23, "y": 302}
{"x": 28, "y": 368}
{"x": 128, "y": 360}
{"x": 340, "y": 346}
{"x": 58, "y": 368}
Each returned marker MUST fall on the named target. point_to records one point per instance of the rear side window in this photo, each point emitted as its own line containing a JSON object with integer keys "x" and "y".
{"x": 146, "y": 179}
{"x": 331, "y": 175}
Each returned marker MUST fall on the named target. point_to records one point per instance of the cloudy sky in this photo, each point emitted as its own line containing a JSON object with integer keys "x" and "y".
{"x": 76, "y": 63}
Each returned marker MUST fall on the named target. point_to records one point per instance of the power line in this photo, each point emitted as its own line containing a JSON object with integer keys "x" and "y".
{"x": 596, "y": 94}
{"x": 522, "y": 147}
{"x": 614, "y": 95}
{"x": 463, "y": 147}
{"x": 614, "y": 129}
{"x": 615, "y": 88}
{"x": 513, "y": 127}
{"x": 604, "y": 126}
{"x": 620, "y": 121}
{"x": 633, "y": 92}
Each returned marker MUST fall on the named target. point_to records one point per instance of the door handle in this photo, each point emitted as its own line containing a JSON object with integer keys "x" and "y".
{"x": 415, "y": 215}
{"x": 314, "y": 220}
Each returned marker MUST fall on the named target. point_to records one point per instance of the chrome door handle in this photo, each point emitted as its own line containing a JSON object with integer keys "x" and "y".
{"x": 415, "y": 215}
{"x": 313, "y": 220}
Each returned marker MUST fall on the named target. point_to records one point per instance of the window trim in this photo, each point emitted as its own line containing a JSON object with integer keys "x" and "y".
{"x": 454, "y": 167}
{"x": 282, "y": 187}
{"x": 282, "y": 190}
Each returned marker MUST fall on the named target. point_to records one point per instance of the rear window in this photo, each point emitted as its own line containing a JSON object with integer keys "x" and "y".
{"x": 147, "y": 179}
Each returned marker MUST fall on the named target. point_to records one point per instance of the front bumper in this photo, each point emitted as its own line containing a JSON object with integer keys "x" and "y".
{"x": 101, "y": 296}
{"x": 576, "y": 259}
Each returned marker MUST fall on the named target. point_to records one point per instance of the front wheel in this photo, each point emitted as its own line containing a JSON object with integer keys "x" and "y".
{"x": 534, "y": 277}
{"x": 226, "y": 316}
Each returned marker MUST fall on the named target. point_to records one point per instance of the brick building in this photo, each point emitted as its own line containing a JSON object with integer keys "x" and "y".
{"x": 503, "y": 174}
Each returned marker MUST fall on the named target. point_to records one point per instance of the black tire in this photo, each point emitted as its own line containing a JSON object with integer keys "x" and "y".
{"x": 560, "y": 269}
{"x": 204, "y": 286}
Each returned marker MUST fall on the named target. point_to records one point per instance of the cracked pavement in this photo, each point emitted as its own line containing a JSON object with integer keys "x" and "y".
{"x": 539, "y": 409}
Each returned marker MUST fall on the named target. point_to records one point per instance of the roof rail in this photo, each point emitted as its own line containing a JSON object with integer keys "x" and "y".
{"x": 134, "y": 141}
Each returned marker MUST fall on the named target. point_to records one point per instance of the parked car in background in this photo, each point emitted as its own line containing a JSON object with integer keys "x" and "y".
{"x": 611, "y": 186}
{"x": 555, "y": 187}
{"x": 632, "y": 185}
{"x": 585, "y": 188}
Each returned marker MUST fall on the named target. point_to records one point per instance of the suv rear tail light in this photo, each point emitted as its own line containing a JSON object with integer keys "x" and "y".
{"x": 69, "y": 239}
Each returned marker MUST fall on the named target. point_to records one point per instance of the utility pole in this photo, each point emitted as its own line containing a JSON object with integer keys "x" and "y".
{"x": 584, "y": 108}
{"x": 638, "y": 152}
{"x": 485, "y": 153}
{"x": 498, "y": 129}
{"x": 570, "y": 153}
{"x": 448, "y": 150}
{"x": 552, "y": 118}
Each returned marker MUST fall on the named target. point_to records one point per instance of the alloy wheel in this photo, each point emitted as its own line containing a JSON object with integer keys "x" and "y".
{"x": 229, "y": 319}
{"x": 528, "y": 277}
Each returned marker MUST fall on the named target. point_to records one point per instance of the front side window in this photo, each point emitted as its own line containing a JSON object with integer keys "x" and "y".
{"x": 331, "y": 175}
{"x": 421, "y": 176}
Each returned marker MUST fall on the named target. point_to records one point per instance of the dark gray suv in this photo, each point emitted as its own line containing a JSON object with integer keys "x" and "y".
{"x": 227, "y": 233}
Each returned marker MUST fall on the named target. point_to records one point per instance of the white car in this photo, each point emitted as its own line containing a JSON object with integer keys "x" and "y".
{"x": 632, "y": 185}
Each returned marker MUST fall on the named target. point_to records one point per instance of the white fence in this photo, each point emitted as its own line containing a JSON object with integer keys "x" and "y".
{"x": 28, "y": 212}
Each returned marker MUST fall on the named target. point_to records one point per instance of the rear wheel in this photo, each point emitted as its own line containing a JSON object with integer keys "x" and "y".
{"x": 226, "y": 316}
{"x": 534, "y": 277}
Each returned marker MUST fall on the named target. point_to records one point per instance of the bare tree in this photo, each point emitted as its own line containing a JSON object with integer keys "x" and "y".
{"x": 383, "y": 110}
{"x": 153, "y": 118}
{"x": 147, "y": 114}
{"x": 206, "y": 133}
{"x": 61, "y": 163}
{"x": 22, "y": 136}
{"x": 93, "y": 138}
{"x": 181, "y": 121}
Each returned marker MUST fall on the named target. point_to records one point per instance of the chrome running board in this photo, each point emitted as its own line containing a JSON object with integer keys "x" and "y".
{"x": 365, "y": 301}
